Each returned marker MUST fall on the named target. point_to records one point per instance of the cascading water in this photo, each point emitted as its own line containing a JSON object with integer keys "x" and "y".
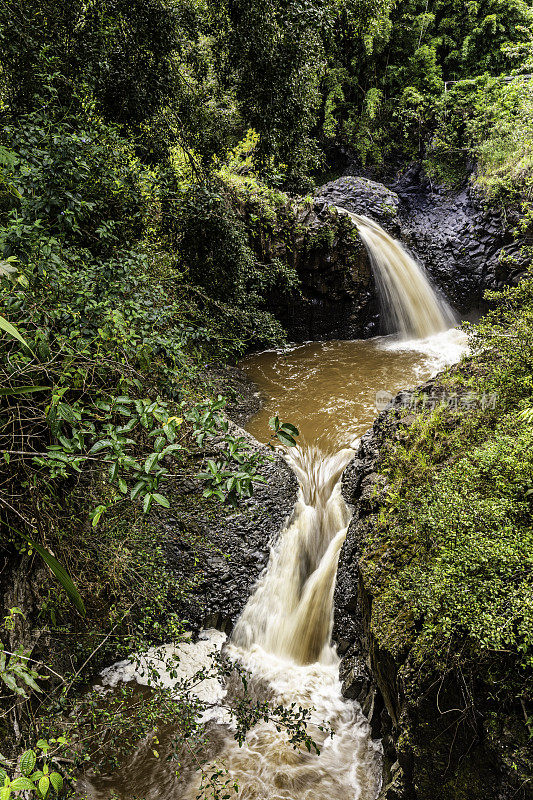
{"x": 290, "y": 612}
{"x": 409, "y": 303}
{"x": 283, "y": 637}
{"x": 283, "y": 640}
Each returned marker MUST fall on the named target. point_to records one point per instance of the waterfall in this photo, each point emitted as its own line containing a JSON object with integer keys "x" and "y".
{"x": 290, "y": 612}
{"x": 409, "y": 303}
{"x": 283, "y": 638}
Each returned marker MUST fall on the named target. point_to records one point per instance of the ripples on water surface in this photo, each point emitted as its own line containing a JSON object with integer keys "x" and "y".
{"x": 328, "y": 389}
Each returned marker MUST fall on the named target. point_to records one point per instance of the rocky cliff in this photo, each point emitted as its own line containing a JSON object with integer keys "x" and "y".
{"x": 451, "y": 731}
{"x": 465, "y": 246}
{"x": 335, "y": 298}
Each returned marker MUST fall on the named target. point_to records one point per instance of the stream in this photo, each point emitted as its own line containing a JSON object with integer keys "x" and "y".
{"x": 332, "y": 391}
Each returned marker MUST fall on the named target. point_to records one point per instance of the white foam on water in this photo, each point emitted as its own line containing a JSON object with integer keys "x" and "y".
{"x": 441, "y": 349}
{"x": 168, "y": 665}
{"x": 283, "y": 638}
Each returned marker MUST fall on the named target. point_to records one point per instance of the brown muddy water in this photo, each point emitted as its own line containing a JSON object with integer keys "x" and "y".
{"x": 283, "y": 637}
{"x": 333, "y": 391}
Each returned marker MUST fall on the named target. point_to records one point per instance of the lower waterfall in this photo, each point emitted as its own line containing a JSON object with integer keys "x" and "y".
{"x": 283, "y": 638}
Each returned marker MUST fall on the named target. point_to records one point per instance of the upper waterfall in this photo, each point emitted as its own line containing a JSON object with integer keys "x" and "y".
{"x": 410, "y": 305}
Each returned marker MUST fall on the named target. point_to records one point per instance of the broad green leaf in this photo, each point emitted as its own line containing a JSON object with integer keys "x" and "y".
{"x": 12, "y": 331}
{"x": 66, "y": 411}
{"x": 22, "y": 784}
{"x": 98, "y": 511}
{"x": 159, "y": 443}
{"x": 57, "y": 781}
{"x": 150, "y": 461}
{"x": 60, "y": 573}
{"x": 159, "y": 498}
{"x": 101, "y": 445}
{"x": 137, "y": 489}
{"x": 171, "y": 448}
{"x": 3, "y": 776}
{"x": 285, "y": 438}
{"x": 273, "y": 423}
{"x": 28, "y": 680}
{"x": 44, "y": 785}
{"x": 287, "y": 426}
{"x": 11, "y": 683}
{"x": 27, "y": 762}
{"x": 169, "y": 433}
{"x": 128, "y": 427}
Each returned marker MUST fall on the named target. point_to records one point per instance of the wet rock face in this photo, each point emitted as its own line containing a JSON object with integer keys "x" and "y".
{"x": 224, "y": 550}
{"x": 459, "y": 241}
{"x": 337, "y": 296}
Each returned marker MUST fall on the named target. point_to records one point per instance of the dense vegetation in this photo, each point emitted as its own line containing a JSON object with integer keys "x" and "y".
{"x": 448, "y": 561}
{"x": 133, "y": 136}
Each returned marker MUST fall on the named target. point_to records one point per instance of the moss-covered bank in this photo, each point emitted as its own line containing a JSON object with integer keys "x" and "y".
{"x": 435, "y": 585}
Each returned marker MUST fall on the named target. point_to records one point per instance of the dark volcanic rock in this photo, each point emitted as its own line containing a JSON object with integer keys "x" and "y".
{"x": 458, "y": 240}
{"x": 224, "y": 550}
{"x": 361, "y": 196}
{"x": 337, "y": 293}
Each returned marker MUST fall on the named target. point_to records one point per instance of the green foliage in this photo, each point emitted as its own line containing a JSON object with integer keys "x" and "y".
{"x": 456, "y": 520}
{"x": 125, "y": 273}
{"x": 113, "y": 306}
{"x": 121, "y": 52}
{"x": 285, "y": 432}
{"x": 17, "y": 674}
{"x": 12, "y": 331}
{"x": 59, "y": 573}
{"x": 136, "y": 247}
{"x": 276, "y": 51}
{"x": 42, "y": 781}
{"x": 416, "y": 49}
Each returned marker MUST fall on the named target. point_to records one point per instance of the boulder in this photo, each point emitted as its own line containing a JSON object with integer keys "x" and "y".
{"x": 465, "y": 246}
{"x": 361, "y": 196}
